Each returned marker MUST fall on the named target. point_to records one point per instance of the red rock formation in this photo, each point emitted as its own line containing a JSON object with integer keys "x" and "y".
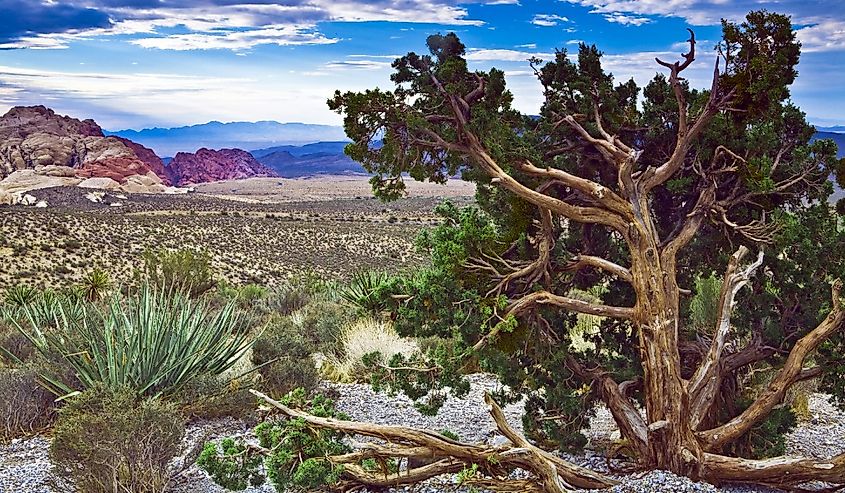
{"x": 208, "y": 165}
{"x": 147, "y": 155}
{"x": 35, "y": 136}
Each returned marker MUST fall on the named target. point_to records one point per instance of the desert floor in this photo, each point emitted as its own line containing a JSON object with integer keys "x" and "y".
{"x": 261, "y": 230}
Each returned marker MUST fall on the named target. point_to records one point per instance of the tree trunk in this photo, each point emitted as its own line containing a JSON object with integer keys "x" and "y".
{"x": 672, "y": 443}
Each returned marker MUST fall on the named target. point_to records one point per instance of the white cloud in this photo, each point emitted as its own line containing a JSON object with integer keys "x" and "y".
{"x": 238, "y": 26}
{"x": 238, "y": 40}
{"x": 824, "y": 36}
{"x": 139, "y": 99}
{"x": 626, "y": 20}
{"x": 489, "y": 55}
{"x": 357, "y": 65}
{"x": 574, "y": 41}
{"x": 548, "y": 20}
{"x": 529, "y": 46}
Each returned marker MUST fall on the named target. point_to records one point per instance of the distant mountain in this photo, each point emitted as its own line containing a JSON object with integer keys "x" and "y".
{"x": 838, "y": 128}
{"x": 301, "y": 150}
{"x": 242, "y": 135}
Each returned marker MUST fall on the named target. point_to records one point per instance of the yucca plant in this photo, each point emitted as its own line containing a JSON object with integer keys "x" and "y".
{"x": 20, "y": 295}
{"x": 95, "y": 284}
{"x": 363, "y": 290}
{"x": 153, "y": 341}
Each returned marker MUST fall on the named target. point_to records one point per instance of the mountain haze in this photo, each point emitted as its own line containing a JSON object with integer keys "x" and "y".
{"x": 241, "y": 135}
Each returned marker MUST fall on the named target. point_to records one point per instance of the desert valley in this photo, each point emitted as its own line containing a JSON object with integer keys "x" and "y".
{"x": 505, "y": 261}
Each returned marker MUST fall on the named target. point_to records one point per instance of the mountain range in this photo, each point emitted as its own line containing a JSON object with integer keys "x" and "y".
{"x": 240, "y": 135}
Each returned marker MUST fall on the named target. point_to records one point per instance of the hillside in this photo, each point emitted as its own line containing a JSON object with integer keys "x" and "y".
{"x": 242, "y": 135}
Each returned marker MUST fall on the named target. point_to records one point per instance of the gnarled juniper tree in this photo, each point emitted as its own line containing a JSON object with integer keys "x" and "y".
{"x": 639, "y": 192}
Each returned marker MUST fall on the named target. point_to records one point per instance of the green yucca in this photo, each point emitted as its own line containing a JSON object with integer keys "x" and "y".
{"x": 95, "y": 284}
{"x": 20, "y": 295}
{"x": 363, "y": 290}
{"x": 153, "y": 341}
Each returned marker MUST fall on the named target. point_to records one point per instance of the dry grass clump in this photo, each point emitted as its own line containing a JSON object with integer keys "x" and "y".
{"x": 363, "y": 337}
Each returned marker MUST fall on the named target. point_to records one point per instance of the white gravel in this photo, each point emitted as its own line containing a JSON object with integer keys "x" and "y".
{"x": 25, "y": 466}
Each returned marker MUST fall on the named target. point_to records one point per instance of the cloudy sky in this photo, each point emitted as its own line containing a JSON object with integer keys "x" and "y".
{"x": 142, "y": 63}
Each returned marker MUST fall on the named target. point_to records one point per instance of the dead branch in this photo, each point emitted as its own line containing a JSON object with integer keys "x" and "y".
{"x": 714, "y": 439}
{"x": 449, "y": 456}
{"x": 579, "y": 261}
{"x": 687, "y": 134}
{"x": 705, "y": 383}
{"x": 777, "y": 472}
{"x": 572, "y": 304}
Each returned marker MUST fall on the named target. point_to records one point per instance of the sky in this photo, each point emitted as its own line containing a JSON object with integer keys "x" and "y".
{"x": 144, "y": 63}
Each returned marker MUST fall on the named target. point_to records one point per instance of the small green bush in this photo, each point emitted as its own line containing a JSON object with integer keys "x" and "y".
{"x": 322, "y": 323}
{"x": 186, "y": 271}
{"x": 285, "y": 354}
{"x": 114, "y": 441}
{"x": 295, "y": 458}
{"x": 25, "y": 405}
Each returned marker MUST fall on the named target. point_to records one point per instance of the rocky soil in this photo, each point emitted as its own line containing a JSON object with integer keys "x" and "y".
{"x": 25, "y": 466}
{"x": 251, "y": 240}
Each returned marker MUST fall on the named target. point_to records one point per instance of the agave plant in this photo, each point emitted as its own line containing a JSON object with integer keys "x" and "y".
{"x": 364, "y": 290}
{"x": 154, "y": 342}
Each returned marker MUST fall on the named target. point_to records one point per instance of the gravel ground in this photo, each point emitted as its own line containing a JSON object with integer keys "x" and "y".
{"x": 25, "y": 466}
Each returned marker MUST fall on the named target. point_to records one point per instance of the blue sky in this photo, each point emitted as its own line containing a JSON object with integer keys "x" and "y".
{"x": 142, "y": 63}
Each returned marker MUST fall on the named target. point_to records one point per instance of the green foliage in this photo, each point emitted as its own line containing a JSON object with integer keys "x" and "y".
{"x": 153, "y": 342}
{"x": 186, "y": 271}
{"x": 95, "y": 284}
{"x": 232, "y": 466}
{"x": 363, "y": 289}
{"x": 115, "y": 441}
{"x": 704, "y": 306}
{"x": 295, "y": 457}
{"x": 283, "y": 355}
{"x": 248, "y": 296}
{"x": 20, "y": 295}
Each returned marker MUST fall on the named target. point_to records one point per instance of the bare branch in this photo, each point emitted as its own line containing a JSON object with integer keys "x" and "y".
{"x": 686, "y": 134}
{"x": 580, "y": 261}
{"x": 786, "y": 377}
{"x": 778, "y": 471}
{"x": 705, "y": 383}
{"x": 575, "y": 305}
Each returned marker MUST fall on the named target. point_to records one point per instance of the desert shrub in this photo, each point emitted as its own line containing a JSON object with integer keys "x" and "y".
{"x": 321, "y": 322}
{"x": 186, "y": 271}
{"x": 115, "y": 441}
{"x": 296, "y": 452}
{"x": 367, "y": 337}
{"x": 286, "y": 299}
{"x": 152, "y": 341}
{"x": 26, "y": 406}
{"x": 283, "y": 354}
{"x": 211, "y": 397}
